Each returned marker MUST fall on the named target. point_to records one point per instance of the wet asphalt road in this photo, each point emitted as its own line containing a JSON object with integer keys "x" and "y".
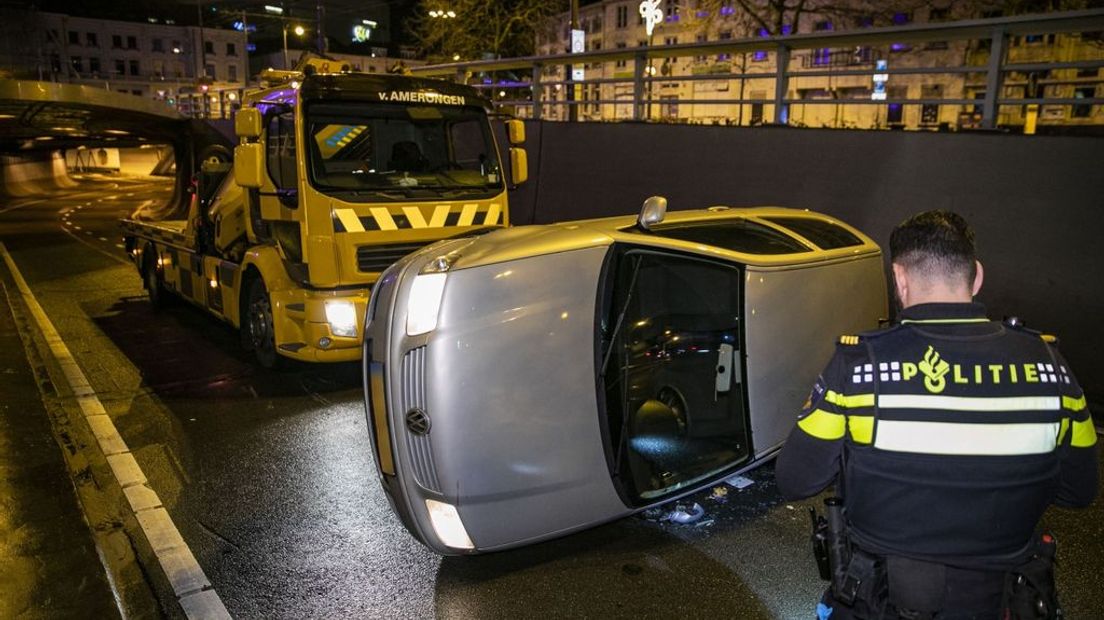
{"x": 269, "y": 476}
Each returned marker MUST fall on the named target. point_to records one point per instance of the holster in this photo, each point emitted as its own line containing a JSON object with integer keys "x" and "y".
{"x": 1029, "y": 591}
{"x": 917, "y": 589}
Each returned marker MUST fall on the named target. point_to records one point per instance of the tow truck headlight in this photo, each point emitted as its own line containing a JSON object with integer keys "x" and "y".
{"x": 341, "y": 315}
{"x": 447, "y": 525}
{"x": 424, "y": 303}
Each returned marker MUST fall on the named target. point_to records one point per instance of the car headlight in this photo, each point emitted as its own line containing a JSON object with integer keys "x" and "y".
{"x": 424, "y": 303}
{"x": 341, "y": 315}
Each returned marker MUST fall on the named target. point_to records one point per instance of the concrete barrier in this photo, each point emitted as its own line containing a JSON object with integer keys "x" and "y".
{"x": 1037, "y": 203}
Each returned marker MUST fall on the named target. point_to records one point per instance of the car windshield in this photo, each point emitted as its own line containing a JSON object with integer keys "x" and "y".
{"x": 388, "y": 151}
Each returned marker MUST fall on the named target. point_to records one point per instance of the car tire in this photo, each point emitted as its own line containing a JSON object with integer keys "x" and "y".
{"x": 153, "y": 280}
{"x": 258, "y": 330}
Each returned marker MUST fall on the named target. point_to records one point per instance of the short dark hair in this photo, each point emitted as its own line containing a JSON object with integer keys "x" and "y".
{"x": 935, "y": 244}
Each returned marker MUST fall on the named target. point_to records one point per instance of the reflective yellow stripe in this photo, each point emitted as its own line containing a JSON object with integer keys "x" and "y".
{"x": 492, "y": 215}
{"x": 383, "y": 218}
{"x": 415, "y": 217}
{"x": 1084, "y": 434}
{"x": 440, "y": 216}
{"x": 467, "y": 216}
{"x": 1073, "y": 404}
{"x": 861, "y": 427}
{"x": 823, "y": 425}
{"x": 850, "y": 402}
{"x": 349, "y": 220}
{"x": 1062, "y": 430}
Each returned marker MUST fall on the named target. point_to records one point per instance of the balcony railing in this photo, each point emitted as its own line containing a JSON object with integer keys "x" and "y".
{"x": 821, "y": 54}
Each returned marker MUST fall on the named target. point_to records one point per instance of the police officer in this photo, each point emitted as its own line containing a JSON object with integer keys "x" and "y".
{"x": 947, "y": 435}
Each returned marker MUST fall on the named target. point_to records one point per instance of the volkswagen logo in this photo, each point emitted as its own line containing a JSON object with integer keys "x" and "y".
{"x": 417, "y": 421}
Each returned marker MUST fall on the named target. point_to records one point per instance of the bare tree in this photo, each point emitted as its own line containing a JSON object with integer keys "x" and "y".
{"x": 779, "y": 17}
{"x": 499, "y": 28}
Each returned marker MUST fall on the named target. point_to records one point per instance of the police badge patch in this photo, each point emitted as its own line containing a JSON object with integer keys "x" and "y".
{"x": 815, "y": 397}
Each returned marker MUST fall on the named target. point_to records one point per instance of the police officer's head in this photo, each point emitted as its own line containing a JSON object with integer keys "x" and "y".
{"x": 934, "y": 259}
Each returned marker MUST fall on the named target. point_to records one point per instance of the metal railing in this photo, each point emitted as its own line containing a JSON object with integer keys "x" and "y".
{"x": 992, "y": 34}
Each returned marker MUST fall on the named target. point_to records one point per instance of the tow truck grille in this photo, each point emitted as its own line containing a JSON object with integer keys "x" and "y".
{"x": 376, "y": 258}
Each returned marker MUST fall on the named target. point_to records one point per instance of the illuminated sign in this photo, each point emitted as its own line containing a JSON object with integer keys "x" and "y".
{"x": 422, "y": 97}
{"x": 652, "y": 14}
{"x": 363, "y": 31}
{"x": 578, "y": 46}
{"x": 880, "y": 79}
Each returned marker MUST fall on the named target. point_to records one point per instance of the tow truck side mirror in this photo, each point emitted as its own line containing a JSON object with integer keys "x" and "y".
{"x": 249, "y": 165}
{"x": 247, "y": 123}
{"x": 515, "y": 129}
{"x": 519, "y": 165}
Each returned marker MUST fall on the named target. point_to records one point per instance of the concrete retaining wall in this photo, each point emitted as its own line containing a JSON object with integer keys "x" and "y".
{"x": 1037, "y": 203}
{"x": 33, "y": 174}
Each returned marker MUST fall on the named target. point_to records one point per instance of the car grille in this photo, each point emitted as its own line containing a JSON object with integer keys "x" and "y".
{"x": 377, "y": 258}
{"x": 413, "y": 403}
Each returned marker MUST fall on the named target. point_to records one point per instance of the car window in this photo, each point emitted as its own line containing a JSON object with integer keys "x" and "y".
{"x": 738, "y": 235}
{"x": 824, "y": 234}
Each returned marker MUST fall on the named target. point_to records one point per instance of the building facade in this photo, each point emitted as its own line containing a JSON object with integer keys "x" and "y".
{"x": 200, "y": 71}
{"x": 834, "y": 100}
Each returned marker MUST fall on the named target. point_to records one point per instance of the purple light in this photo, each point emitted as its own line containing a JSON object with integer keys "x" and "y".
{"x": 702, "y": 14}
{"x": 898, "y": 47}
{"x": 728, "y": 10}
{"x": 759, "y": 56}
{"x": 763, "y": 33}
{"x": 673, "y": 18}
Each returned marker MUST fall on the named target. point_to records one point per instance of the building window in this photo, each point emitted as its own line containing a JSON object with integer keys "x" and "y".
{"x": 134, "y": 67}
{"x": 672, "y": 9}
{"x": 622, "y": 16}
{"x": 132, "y": 42}
{"x": 864, "y": 21}
{"x": 90, "y": 39}
{"x": 902, "y": 18}
{"x": 209, "y": 71}
{"x": 725, "y": 35}
{"x": 231, "y": 49}
{"x": 158, "y": 45}
{"x": 117, "y": 41}
{"x": 78, "y": 64}
{"x": 623, "y": 62}
{"x": 822, "y": 26}
{"x": 700, "y": 39}
{"x": 94, "y": 65}
{"x": 1083, "y": 110}
{"x": 232, "y": 73}
{"x": 208, "y": 47}
{"x": 55, "y": 63}
{"x": 136, "y": 93}
{"x": 120, "y": 67}
{"x": 74, "y": 38}
{"x": 939, "y": 15}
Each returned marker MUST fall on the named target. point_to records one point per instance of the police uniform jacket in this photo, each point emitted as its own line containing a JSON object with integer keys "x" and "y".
{"x": 953, "y": 434}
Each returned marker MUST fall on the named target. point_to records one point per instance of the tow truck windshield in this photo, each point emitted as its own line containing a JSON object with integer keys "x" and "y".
{"x": 381, "y": 151}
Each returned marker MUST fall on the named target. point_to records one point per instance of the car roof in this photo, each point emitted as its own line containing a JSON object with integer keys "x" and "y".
{"x": 688, "y": 231}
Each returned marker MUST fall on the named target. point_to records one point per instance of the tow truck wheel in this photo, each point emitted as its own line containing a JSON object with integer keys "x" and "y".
{"x": 152, "y": 281}
{"x": 258, "y": 332}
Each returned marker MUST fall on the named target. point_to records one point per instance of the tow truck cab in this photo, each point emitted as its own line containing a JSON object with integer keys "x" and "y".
{"x": 336, "y": 176}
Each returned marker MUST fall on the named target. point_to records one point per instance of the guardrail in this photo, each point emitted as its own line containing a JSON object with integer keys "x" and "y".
{"x": 992, "y": 33}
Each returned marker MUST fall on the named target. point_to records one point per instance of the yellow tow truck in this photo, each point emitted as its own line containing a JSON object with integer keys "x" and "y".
{"x": 336, "y": 176}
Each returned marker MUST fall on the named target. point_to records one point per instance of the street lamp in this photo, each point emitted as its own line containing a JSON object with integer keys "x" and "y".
{"x": 299, "y": 31}
{"x": 442, "y": 14}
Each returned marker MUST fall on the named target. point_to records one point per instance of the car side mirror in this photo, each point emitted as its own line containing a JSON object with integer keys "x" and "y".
{"x": 653, "y": 212}
{"x": 247, "y": 123}
{"x": 515, "y": 130}
{"x": 519, "y": 165}
{"x": 249, "y": 165}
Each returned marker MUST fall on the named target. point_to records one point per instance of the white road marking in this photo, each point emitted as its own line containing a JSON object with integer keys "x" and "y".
{"x": 120, "y": 246}
{"x": 22, "y": 204}
{"x": 102, "y": 238}
{"x": 193, "y": 590}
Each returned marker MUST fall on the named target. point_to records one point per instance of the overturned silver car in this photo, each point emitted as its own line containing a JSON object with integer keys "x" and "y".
{"x": 535, "y": 381}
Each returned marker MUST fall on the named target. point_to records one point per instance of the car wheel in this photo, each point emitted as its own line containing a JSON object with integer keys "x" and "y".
{"x": 677, "y": 404}
{"x": 258, "y": 331}
{"x": 153, "y": 280}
